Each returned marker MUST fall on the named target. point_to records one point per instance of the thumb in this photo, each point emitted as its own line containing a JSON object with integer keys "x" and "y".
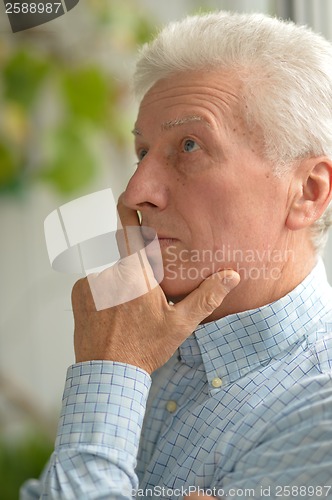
{"x": 200, "y": 303}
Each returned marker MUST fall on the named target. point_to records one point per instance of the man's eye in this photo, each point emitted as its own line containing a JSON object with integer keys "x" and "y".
{"x": 190, "y": 145}
{"x": 141, "y": 154}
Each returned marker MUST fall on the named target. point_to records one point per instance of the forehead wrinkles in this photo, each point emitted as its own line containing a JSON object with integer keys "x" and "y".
{"x": 203, "y": 94}
{"x": 214, "y": 94}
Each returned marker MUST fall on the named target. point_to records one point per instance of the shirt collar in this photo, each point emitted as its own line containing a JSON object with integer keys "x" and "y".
{"x": 233, "y": 346}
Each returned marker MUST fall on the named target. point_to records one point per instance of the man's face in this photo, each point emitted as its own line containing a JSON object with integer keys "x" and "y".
{"x": 201, "y": 182}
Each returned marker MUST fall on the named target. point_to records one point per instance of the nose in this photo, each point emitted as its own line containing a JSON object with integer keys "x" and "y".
{"x": 147, "y": 188}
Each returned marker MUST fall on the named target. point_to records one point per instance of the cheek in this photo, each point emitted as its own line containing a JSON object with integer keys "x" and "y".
{"x": 185, "y": 268}
{"x": 228, "y": 223}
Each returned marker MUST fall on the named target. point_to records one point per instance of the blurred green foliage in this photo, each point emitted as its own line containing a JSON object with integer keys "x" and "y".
{"x": 8, "y": 164}
{"x": 23, "y": 75}
{"x": 20, "y": 461}
{"x": 86, "y": 99}
{"x": 87, "y": 92}
{"x": 72, "y": 163}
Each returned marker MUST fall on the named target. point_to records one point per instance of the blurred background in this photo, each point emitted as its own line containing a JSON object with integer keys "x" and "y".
{"x": 65, "y": 122}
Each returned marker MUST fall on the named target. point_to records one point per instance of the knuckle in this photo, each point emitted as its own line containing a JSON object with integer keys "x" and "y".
{"x": 80, "y": 292}
{"x": 129, "y": 270}
{"x": 78, "y": 287}
{"x": 210, "y": 302}
{"x": 104, "y": 276}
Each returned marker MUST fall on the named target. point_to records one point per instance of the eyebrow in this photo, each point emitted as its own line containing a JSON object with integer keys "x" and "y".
{"x": 177, "y": 122}
{"x": 183, "y": 121}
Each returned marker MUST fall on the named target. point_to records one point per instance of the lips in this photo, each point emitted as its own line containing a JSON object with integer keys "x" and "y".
{"x": 166, "y": 238}
{"x": 149, "y": 234}
{"x": 163, "y": 242}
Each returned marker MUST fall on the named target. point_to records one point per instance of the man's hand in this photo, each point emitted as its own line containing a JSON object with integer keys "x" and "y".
{"x": 146, "y": 331}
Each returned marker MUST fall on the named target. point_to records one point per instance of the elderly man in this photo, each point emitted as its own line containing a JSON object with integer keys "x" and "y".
{"x": 234, "y": 147}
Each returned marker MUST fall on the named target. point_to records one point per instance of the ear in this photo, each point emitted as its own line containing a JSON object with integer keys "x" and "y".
{"x": 312, "y": 192}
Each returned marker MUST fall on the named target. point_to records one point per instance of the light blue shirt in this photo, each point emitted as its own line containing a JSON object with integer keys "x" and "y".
{"x": 243, "y": 410}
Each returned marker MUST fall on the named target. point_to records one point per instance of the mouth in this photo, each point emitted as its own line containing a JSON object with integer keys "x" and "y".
{"x": 149, "y": 234}
{"x": 166, "y": 242}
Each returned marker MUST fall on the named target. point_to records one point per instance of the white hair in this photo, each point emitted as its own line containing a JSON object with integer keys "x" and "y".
{"x": 286, "y": 71}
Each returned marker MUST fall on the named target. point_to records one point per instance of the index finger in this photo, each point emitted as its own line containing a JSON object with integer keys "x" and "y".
{"x": 129, "y": 237}
{"x": 128, "y": 216}
{"x": 134, "y": 238}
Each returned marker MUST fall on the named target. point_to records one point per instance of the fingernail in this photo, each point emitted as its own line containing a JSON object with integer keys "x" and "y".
{"x": 230, "y": 280}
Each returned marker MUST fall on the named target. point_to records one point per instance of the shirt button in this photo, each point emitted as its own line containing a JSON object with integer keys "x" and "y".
{"x": 216, "y": 382}
{"x": 171, "y": 406}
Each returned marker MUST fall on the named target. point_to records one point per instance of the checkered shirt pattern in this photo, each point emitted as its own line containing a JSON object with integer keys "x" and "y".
{"x": 250, "y": 412}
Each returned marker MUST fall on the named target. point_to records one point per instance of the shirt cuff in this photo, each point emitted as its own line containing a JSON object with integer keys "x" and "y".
{"x": 103, "y": 405}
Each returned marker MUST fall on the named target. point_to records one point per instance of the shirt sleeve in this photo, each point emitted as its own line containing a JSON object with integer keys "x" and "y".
{"x": 98, "y": 434}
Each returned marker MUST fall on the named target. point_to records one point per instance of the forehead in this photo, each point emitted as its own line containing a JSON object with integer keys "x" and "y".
{"x": 209, "y": 91}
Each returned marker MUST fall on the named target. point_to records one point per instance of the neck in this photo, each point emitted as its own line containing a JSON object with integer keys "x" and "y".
{"x": 267, "y": 284}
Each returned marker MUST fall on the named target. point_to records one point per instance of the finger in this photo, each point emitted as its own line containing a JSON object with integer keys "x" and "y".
{"x": 129, "y": 237}
{"x": 128, "y": 216}
{"x": 130, "y": 240}
{"x": 200, "y": 303}
{"x": 121, "y": 283}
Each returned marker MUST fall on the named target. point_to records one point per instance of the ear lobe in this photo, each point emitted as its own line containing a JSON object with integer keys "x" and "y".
{"x": 313, "y": 193}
